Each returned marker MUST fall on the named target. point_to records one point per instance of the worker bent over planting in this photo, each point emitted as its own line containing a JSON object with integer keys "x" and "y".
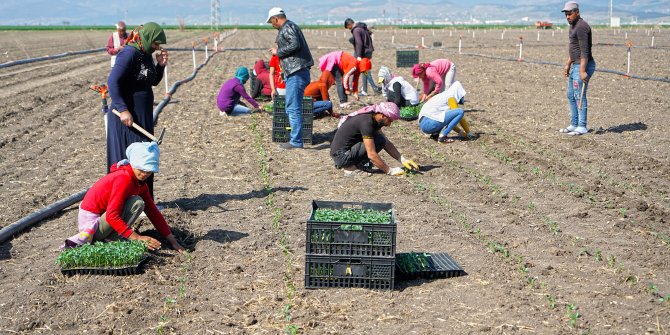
{"x": 359, "y": 139}
{"x": 115, "y": 202}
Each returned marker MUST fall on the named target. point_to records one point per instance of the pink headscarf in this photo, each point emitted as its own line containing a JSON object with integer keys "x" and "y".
{"x": 419, "y": 68}
{"x": 388, "y": 109}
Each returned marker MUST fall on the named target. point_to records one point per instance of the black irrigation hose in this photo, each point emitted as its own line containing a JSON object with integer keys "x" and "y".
{"x": 39, "y": 59}
{"x": 16, "y": 227}
{"x": 532, "y": 61}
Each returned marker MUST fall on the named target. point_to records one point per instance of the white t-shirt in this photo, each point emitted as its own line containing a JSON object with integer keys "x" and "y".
{"x": 437, "y": 106}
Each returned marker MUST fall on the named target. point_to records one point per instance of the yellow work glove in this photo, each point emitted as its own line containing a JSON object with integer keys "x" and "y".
{"x": 396, "y": 171}
{"x": 409, "y": 164}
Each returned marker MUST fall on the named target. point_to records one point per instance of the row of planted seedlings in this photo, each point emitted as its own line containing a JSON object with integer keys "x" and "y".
{"x": 282, "y": 241}
{"x": 617, "y": 268}
{"x": 489, "y": 241}
{"x": 595, "y": 170}
{"x": 584, "y": 250}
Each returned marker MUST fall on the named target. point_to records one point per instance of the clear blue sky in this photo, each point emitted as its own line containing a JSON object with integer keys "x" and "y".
{"x": 100, "y": 12}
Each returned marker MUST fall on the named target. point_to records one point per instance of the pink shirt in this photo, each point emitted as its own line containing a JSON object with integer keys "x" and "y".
{"x": 435, "y": 72}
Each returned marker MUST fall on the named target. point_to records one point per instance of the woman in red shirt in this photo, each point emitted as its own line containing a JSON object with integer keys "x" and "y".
{"x": 115, "y": 202}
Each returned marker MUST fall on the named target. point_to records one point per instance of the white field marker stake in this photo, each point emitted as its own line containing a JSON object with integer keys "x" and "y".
{"x": 520, "y": 48}
{"x": 502, "y": 35}
{"x": 423, "y": 44}
{"x": 538, "y": 35}
{"x": 626, "y": 37}
{"x": 552, "y": 33}
{"x": 392, "y": 39}
{"x": 165, "y": 74}
{"x": 652, "y": 40}
{"x": 460, "y": 41}
{"x": 450, "y": 32}
{"x": 628, "y": 63}
{"x": 206, "y": 51}
{"x": 193, "y": 49}
{"x": 473, "y": 34}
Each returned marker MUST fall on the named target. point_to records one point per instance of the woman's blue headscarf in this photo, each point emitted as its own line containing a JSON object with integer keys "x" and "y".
{"x": 242, "y": 74}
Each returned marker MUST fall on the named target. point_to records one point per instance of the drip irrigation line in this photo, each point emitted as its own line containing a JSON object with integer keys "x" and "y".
{"x": 535, "y": 61}
{"x": 16, "y": 227}
{"x": 82, "y": 52}
{"x": 39, "y": 59}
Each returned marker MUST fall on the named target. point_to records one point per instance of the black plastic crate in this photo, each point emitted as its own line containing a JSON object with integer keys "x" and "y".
{"x": 281, "y": 129}
{"x": 111, "y": 271}
{"x": 406, "y": 58}
{"x": 351, "y": 238}
{"x": 439, "y": 265}
{"x": 336, "y": 271}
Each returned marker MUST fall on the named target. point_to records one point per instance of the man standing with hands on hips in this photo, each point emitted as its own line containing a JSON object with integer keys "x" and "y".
{"x": 295, "y": 60}
{"x": 578, "y": 68}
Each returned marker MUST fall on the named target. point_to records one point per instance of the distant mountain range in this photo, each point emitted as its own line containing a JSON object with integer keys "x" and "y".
{"x": 99, "y": 12}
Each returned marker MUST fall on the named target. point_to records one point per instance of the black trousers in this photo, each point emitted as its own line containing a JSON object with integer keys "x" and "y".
{"x": 357, "y": 153}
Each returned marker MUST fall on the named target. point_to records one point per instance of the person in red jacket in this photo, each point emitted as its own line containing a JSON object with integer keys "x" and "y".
{"x": 114, "y": 202}
{"x": 260, "y": 80}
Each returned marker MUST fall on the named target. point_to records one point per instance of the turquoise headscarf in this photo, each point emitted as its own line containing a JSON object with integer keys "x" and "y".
{"x": 242, "y": 74}
{"x": 144, "y": 156}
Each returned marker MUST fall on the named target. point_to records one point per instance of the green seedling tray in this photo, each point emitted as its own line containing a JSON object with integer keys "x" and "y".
{"x": 110, "y": 271}
{"x": 428, "y": 266}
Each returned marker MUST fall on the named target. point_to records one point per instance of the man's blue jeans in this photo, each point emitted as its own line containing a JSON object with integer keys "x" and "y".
{"x": 322, "y": 106}
{"x": 451, "y": 119}
{"x": 578, "y": 117}
{"x": 295, "y": 90}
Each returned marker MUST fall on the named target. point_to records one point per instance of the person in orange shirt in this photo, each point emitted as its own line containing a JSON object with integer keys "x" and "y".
{"x": 318, "y": 90}
{"x": 344, "y": 68}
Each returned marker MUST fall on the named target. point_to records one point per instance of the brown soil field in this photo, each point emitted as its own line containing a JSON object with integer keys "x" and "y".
{"x": 557, "y": 235}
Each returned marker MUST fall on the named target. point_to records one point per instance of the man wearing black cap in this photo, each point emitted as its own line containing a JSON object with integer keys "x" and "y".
{"x": 578, "y": 68}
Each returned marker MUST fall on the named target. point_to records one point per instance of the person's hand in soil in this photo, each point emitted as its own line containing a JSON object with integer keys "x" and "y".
{"x": 162, "y": 57}
{"x": 126, "y": 118}
{"x": 175, "y": 244}
{"x": 152, "y": 243}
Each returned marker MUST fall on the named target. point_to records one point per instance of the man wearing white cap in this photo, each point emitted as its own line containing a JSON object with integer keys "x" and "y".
{"x": 117, "y": 40}
{"x": 578, "y": 68}
{"x": 295, "y": 60}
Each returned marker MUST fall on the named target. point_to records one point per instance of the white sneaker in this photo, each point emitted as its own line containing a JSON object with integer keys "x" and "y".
{"x": 363, "y": 93}
{"x": 581, "y": 130}
{"x": 344, "y": 105}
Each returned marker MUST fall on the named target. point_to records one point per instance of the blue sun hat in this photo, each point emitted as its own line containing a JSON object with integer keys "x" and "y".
{"x": 144, "y": 156}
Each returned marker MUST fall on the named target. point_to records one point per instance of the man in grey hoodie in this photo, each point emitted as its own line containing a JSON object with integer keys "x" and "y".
{"x": 363, "y": 48}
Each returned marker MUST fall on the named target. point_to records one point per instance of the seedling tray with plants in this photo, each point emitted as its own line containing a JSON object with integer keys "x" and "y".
{"x": 410, "y": 113}
{"x": 112, "y": 258}
{"x": 414, "y": 265}
{"x": 351, "y": 229}
{"x": 337, "y": 271}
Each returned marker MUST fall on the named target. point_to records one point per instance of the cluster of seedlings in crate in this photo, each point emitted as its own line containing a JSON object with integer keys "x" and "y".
{"x": 103, "y": 255}
{"x": 352, "y": 215}
{"x": 410, "y": 112}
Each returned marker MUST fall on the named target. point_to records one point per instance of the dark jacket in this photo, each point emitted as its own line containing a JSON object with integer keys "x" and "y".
{"x": 362, "y": 40}
{"x": 292, "y": 49}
